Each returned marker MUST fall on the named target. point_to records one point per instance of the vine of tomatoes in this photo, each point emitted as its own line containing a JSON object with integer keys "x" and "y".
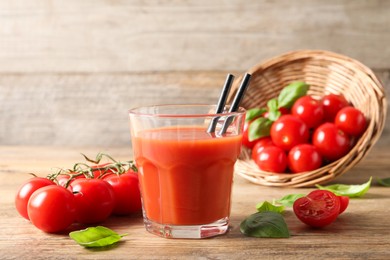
{"x": 85, "y": 194}
{"x": 297, "y": 132}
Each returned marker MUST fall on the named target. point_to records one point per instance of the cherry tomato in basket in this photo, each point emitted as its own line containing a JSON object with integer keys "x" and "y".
{"x": 344, "y": 202}
{"x": 310, "y": 110}
{"x": 304, "y": 157}
{"x": 288, "y": 131}
{"x": 351, "y": 121}
{"x": 94, "y": 199}
{"x": 26, "y": 190}
{"x": 259, "y": 146}
{"x": 332, "y": 104}
{"x": 52, "y": 208}
{"x": 272, "y": 159}
{"x": 331, "y": 141}
{"x": 127, "y": 193}
{"x": 318, "y": 209}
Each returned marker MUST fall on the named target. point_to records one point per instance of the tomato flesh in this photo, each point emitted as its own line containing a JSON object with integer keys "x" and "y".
{"x": 318, "y": 209}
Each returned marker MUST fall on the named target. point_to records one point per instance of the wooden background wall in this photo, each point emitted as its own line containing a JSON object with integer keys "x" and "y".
{"x": 70, "y": 70}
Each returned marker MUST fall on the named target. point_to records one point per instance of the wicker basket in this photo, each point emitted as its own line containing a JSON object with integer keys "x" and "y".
{"x": 325, "y": 72}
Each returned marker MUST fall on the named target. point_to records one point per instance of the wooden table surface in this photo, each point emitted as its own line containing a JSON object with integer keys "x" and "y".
{"x": 362, "y": 232}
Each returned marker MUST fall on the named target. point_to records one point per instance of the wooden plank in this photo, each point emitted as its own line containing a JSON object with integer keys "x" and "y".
{"x": 138, "y": 36}
{"x": 91, "y": 109}
{"x": 363, "y": 225}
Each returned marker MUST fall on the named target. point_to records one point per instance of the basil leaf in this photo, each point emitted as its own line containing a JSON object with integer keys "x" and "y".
{"x": 351, "y": 191}
{"x": 288, "y": 200}
{"x": 266, "y": 206}
{"x": 265, "y": 224}
{"x": 254, "y": 112}
{"x": 95, "y": 237}
{"x": 260, "y": 127}
{"x": 273, "y": 111}
{"x": 384, "y": 182}
{"x": 291, "y": 93}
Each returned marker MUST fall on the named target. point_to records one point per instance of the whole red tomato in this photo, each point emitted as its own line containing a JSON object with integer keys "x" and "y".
{"x": 331, "y": 141}
{"x": 351, "y": 120}
{"x": 318, "y": 209}
{"x": 259, "y": 146}
{"x": 289, "y": 131}
{"x": 304, "y": 157}
{"x": 94, "y": 199}
{"x": 332, "y": 104}
{"x": 310, "y": 110}
{"x": 26, "y": 190}
{"x": 272, "y": 159}
{"x": 127, "y": 193}
{"x": 52, "y": 208}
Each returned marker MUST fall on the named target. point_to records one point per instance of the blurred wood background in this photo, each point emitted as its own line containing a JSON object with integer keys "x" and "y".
{"x": 70, "y": 70}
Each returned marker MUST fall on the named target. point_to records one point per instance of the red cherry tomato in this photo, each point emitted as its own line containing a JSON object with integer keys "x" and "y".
{"x": 332, "y": 142}
{"x": 289, "y": 131}
{"x": 245, "y": 137}
{"x": 26, "y": 190}
{"x": 318, "y": 209}
{"x": 344, "y": 202}
{"x": 351, "y": 121}
{"x": 332, "y": 104}
{"x": 127, "y": 193}
{"x": 310, "y": 110}
{"x": 95, "y": 200}
{"x": 272, "y": 159}
{"x": 304, "y": 157}
{"x": 259, "y": 146}
{"x": 52, "y": 208}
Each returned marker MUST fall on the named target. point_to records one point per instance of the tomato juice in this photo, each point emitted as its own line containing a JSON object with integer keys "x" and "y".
{"x": 185, "y": 174}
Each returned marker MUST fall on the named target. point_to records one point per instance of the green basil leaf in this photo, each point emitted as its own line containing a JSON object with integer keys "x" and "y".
{"x": 288, "y": 200}
{"x": 351, "y": 191}
{"x": 273, "y": 111}
{"x": 265, "y": 224}
{"x": 266, "y": 206}
{"x": 260, "y": 127}
{"x": 254, "y": 113}
{"x": 291, "y": 93}
{"x": 95, "y": 237}
{"x": 384, "y": 182}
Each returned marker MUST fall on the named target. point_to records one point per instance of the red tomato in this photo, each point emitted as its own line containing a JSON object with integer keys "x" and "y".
{"x": 344, "y": 202}
{"x": 245, "y": 137}
{"x": 259, "y": 146}
{"x": 332, "y": 104}
{"x": 127, "y": 193}
{"x": 26, "y": 190}
{"x": 304, "y": 157}
{"x": 318, "y": 209}
{"x": 94, "y": 199}
{"x": 310, "y": 110}
{"x": 351, "y": 121}
{"x": 52, "y": 208}
{"x": 272, "y": 159}
{"x": 288, "y": 131}
{"x": 332, "y": 142}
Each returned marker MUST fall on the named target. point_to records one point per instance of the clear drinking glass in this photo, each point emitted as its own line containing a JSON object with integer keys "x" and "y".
{"x": 186, "y": 172}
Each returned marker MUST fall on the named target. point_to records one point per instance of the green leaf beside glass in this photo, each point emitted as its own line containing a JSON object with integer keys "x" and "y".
{"x": 95, "y": 237}
{"x": 266, "y": 224}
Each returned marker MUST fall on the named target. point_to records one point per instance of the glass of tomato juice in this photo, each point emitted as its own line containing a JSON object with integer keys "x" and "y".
{"x": 185, "y": 172}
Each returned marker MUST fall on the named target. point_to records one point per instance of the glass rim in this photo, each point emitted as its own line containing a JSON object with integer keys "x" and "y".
{"x": 137, "y": 111}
